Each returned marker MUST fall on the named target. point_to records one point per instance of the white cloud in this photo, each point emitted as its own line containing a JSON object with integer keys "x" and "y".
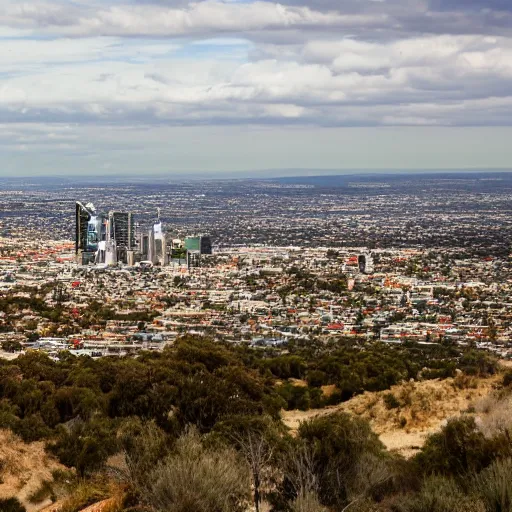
{"x": 342, "y": 82}
{"x": 315, "y": 63}
{"x": 155, "y": 20}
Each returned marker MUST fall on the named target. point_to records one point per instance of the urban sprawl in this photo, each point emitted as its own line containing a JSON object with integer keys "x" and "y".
{"x": 122, "y": 286}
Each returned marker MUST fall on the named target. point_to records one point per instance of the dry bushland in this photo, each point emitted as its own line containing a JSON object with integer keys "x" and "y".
{"x": 407, "y": 413}
{"x": 23, "y": 470}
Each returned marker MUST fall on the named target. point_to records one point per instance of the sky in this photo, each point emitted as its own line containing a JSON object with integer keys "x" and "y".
{"x": 172, "y": 86}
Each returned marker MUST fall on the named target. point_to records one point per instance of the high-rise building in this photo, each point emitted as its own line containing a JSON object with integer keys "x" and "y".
{"x": 83, "y": 216}
{"x": 365, "y": 262}
{"x": 90, "y": 230}
{"x": 157, "y": 245}
{"x": 206, "y": 245}
{"x": 111, "y": 253}
{"x": 193, "y": 259}
{"x": 201, "y": 243}
{"x": 103, "y": 239}
{"x": 144, "y": 246}
{"x": 121, "y": 230}
{"x": 193, "y": 243}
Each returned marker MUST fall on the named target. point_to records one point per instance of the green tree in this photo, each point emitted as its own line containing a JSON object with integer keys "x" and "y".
{"x": 343, "y": 448}
{"x": 86, "y": 445}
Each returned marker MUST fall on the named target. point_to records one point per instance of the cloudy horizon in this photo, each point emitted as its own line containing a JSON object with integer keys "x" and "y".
{"x": 211, "y": 86}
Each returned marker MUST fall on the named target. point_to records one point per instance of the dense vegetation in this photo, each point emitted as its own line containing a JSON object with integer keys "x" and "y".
{"x": 353, "y": 369}
{"x": 199, "y": 428}
{"x": 198, "y": 382}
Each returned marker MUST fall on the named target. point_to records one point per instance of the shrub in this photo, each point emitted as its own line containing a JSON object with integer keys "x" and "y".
{"x": 86, "y": 493}
{"x": 32, "y": 428}
{"x": 463, "y": 381}
{"x": 390, "y": 401}
{"x": 316, "y": 378}
{"x": 494, "y": 485}
{"x": 144, "y": 445}
{"x": 496, "y": 420}
{"x": 440, "y": 494}
{"x": 199, "y": 479}
{"x": 86, "y": 446}
{"x": 297, "y": 397}
{"x": 344, "y": 451}
{"x": 11, "y": 346}
{"x": 8, "y": 420}
{"x": 478, "y": 363}
{"x": 459, "y": 448}
{"x": 507, "y": 378}
{"x": 11, "y": 505}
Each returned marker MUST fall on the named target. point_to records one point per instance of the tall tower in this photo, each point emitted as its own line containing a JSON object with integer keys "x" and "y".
{"x": 111, "y": 253}
{"x": 151, "y": 245}
{"x": 365, "y": 262}
{"x": 90, "y": 230}
{"x": 206, "y": 244}
{"x": 156, "y": 243}
{"x": 82, "y": 217}
{"x": 121, "y": 230}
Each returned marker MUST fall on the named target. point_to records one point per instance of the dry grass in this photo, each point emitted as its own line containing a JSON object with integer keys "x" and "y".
{"x": 494, "y": 413}
{"x": 307, "y": 503}
{"x": 23, "y": 469}
{"x": 95, "y": 495}
{"x": 298, "y": 383}
{"x": 328, "y": 390}
{"x": 198, "y": 479}
{"x": 423, "y": 408}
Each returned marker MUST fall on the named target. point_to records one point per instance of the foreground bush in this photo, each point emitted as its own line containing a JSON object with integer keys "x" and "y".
{"x": 494, "y": 485}
{"x": 144, "y": 445}
{"x": 348, "y": 460}
{"x": 199, "y": 479}
{"x": 440, "y": 494}
{"x": 458, "y": 449}
{"x": 87, "y": 492}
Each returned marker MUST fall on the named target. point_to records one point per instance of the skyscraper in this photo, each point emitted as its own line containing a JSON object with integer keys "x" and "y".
{"x": 193, "y": 243}
{"x": 90, "y": 230}
{"x": 144, "y": 249}
{"x": 121, "y": 230}
{"x": 101, "y": 238}
{"x": 157, "y": 245}
{"x": 83, "y": 216}
{"x": 206, "y": 245}
{"x": 201, "y": 243}
{"x": 365, "y": 262}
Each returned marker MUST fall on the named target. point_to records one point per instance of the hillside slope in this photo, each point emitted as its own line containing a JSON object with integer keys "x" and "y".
{"x": 406, "y": 414}
{"x": 23, "y": 468}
